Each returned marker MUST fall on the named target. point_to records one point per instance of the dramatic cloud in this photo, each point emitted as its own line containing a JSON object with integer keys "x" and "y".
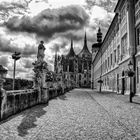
{"x": 50, "y": 21}
{"x": 4, "y": 61}
{"x": 7, "y": 47}
{"x": 23, "y": 23}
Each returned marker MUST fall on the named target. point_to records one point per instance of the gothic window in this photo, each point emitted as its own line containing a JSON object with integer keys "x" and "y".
{"x": 85, "y": 82}
{"x": 79, "y": 77}
{"x": 85, "y": 75}
{"x": 89, "y": 66}
{"x": 71, "y": 77}
{"x": 71, "y": 66}
{"x": 80, "y": 67}
{"x": 89, "y": 75}
{"x": 85, "y": 65}
{"x": 64, "y": 68}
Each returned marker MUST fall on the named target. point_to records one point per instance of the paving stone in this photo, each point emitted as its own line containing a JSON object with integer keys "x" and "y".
{"x": 82, "y": 115}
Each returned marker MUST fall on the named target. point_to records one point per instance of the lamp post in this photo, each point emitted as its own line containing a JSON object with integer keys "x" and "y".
{"x": 100, "y": 81}
{"x": 16, "y": 56}
{"x": 130, "y": 74}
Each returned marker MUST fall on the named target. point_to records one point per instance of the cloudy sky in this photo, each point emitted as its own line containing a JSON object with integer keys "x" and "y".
{"x": 23, "y": 23}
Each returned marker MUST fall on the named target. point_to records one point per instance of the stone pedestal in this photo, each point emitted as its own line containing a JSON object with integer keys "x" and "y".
{"x": 2, "y": 97}
{"x": 45, "y": 95}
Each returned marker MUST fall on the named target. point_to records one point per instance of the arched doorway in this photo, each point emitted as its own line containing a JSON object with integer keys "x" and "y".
{"x": 123, "y": 82}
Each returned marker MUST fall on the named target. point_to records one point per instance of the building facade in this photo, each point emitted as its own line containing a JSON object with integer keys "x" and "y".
{"x": 75, "y": 68}
{"x": 137, "y": 56}
{"x": 117, "y": 49}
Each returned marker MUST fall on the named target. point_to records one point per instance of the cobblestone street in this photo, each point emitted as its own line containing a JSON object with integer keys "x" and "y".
{"x": 81, "y": 114}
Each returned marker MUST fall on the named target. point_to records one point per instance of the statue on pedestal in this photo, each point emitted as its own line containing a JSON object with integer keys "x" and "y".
{"x": 40, "y": 65}
{"x": 40, "y": 54}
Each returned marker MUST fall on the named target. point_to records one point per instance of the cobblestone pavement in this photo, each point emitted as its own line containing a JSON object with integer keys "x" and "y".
{"x": 81, "y": 114}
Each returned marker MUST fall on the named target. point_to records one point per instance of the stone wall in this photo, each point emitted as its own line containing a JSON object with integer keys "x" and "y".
{"x": 12, "y": 102}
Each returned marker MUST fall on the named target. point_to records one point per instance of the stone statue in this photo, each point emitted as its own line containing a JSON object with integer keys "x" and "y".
{"x": 40, "y": 66}
{"x": 40, "y": 54}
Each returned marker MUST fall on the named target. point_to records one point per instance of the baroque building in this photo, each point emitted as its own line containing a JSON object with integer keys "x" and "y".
{"x": 75, "y": 68}
{"x": 117, "y": 49}
{"x": 137, "y": 32}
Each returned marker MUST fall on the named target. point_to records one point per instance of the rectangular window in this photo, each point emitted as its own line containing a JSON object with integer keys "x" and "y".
{"x": 115, "y": 56}
{"x": 111, "y": 59}
{"x": 124, "y": 44}
{"x": 108, "y": 62}
{"x": 118, "y": 53}
{"x": 138, "y": 36}
{"x": 137, "y": 74}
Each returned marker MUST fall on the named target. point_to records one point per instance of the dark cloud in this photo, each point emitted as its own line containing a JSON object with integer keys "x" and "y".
{"x": 50, "y": 21}
{"x": 4, "y": 61}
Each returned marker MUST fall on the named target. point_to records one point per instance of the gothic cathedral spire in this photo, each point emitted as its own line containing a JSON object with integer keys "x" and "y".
{"x": 85, "y": 40}
{"x": 71, "y": 51}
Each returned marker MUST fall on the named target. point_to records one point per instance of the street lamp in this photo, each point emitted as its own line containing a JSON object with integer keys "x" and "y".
{"x": 130, "y": 65}
{"x": 131, "y": 74}
{"x": 16, "y": 56}
{"x": 100, "y": 81}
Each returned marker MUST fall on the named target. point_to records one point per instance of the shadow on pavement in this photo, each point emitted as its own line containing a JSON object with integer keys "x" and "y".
{"x": 105, "y": 92}
{"x": 63, "y": 97}
{"x": 30, "y": 117}
{"x": 136, "y": 103}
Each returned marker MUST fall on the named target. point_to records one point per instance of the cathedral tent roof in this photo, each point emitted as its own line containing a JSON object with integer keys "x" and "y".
{"x": 85, "y": 50}
{"x": 71, "y": 51}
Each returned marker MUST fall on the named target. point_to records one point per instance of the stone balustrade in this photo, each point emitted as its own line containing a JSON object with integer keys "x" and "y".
{"x": 13, "y": 102}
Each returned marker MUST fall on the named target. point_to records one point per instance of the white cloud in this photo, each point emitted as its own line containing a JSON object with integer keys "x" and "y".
{"x": 60, "y": 3}
{"x": 98, "y": 12}
{"x": 37, "y": 7}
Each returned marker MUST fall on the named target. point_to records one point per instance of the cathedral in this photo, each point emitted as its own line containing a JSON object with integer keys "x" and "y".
{"x": 75, "y": 68}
